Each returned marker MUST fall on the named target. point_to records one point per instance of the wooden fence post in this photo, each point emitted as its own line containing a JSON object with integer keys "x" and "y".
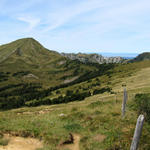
{"x": 116, "y": 98}
{"x": 125, "y": 97}
{"x": 137, "y": 133}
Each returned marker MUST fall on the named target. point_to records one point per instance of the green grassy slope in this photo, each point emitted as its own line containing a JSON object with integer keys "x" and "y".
{"x": 25, "y": 53}
{"x": 27, "y": 65}
{"x": 142, "y": 57}
{"x": 32, "y": 76}
{"x": 97, "y": 120}
{"x": 29, "y": 56}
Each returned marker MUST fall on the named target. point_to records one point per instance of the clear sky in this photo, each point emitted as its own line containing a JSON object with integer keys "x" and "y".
{"x": 118, "y": 26}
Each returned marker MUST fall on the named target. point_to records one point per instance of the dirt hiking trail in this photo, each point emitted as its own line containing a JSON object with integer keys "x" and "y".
{"x": 19, "y": 143}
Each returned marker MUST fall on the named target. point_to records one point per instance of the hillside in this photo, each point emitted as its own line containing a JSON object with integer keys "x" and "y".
{"x": 78, "y": 105}
{"x": 142, "y": 57}
{"x": 29, "y": 71}
{"x": 26, "y": 59}
{"x": 31, "y": 75}
{"x": 27, "y": 52}
{"x": 93, "y": 58}
{"x": 94, "y": 123}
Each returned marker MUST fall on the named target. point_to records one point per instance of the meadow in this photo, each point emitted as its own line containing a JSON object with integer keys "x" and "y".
{"x": 95, "y": 123}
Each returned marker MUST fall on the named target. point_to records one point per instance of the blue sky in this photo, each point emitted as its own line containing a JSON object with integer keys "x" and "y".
{"x": 116, "y": 26}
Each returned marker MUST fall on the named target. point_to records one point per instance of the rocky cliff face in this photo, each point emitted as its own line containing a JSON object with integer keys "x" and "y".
{"x": 92, "y": 58}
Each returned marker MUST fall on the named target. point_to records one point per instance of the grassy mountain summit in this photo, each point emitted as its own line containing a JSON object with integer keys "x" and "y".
{"x": 28, "y": 50}
{"x": 29, "y": 56}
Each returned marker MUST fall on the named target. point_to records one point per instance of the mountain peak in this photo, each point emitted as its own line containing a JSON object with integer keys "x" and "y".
{"x": 25, "y": 49}
{"x": 29, "y": 41}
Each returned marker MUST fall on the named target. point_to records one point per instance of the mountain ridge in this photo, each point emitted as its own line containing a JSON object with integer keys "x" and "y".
{"x": 30, "y": 47}
{"x": 28, "y": 50}
{"x": 93, "y": 58}
{"x": 27, "y": 57}
{"x": 142, "y": 57}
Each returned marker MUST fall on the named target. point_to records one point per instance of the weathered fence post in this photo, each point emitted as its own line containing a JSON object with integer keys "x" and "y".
{"x": 137, "y": 133}
{"x": 125, "y": 97}
{"x": 116, "y": 98}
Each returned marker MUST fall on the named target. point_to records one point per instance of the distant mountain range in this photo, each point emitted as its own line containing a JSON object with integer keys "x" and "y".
{"x": 93, "y": 58}
{"x": 107, "y": 57}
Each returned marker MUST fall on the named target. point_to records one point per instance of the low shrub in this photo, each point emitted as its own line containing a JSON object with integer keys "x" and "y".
{"x": 142, "y": 102}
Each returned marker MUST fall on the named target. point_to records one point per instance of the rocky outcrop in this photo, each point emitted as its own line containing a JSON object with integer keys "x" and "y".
{"x": 92, "y": 58}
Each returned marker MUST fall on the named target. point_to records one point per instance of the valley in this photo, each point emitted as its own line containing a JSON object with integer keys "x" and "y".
{"x": 52, "y": 102}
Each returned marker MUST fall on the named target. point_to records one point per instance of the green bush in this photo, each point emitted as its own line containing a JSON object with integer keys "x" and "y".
{"x": 4, "y": 142}
{"x": 102, "y": 90}
{"x": 143, "y": 105}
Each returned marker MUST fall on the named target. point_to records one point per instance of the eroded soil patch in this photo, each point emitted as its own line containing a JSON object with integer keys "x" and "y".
{"x": 36, "y": 112}
{"x": 73, "y": 143}
{"x": 20, "y": 143}
{"x": 99, "y": 138}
